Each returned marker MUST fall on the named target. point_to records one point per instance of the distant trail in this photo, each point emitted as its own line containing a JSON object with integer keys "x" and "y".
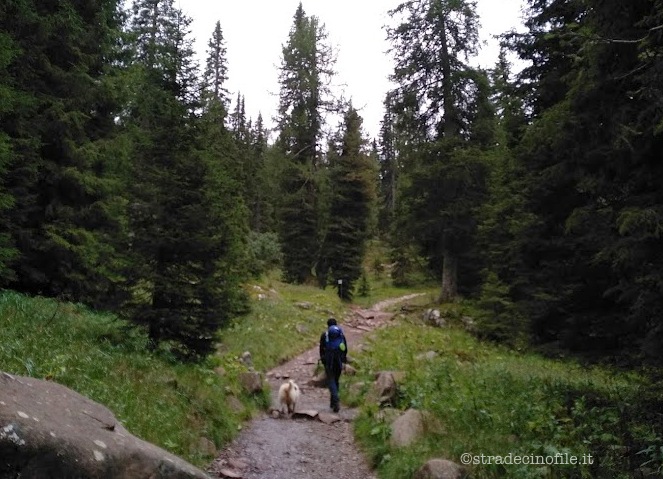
{"x": 308, "y": 448}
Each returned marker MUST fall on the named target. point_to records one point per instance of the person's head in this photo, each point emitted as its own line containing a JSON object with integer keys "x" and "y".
{"x": 331, "y": 322}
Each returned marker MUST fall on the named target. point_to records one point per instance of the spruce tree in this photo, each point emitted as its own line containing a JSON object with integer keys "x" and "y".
{"x": 185, "y": 228}
{"x": 305, "y": 69}
{"x": 443, "y": 108}
{"x": 353, "y": 178}
{"x": 60, "y": 127}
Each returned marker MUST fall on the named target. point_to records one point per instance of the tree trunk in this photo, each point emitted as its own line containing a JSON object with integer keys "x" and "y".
{"x": 449, "y": 278}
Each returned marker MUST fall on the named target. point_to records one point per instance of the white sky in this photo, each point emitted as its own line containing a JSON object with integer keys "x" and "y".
{"x": 255, "y": 31}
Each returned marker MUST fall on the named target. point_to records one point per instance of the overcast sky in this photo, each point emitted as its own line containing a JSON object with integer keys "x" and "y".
{"x": 255, "y": 31}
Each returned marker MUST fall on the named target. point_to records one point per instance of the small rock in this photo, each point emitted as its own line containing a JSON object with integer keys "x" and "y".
{"x": 206, "y": 447}
{"x": 237, "y": 464}
{"x": 234, "y": 404}
{"x": 439, "y": 469}
{"x": 230, "y": 473}
{"x": 426, "y": 356}
{"x": 301, "y": 328}
{"x": 306, "y": 413}
{"x": 246, "y": 359}
{"x": 220, "y": 371}
{"x": 251, "y": 381}
{"x": 304, "y": 305}
{"x": 328, "y": 418}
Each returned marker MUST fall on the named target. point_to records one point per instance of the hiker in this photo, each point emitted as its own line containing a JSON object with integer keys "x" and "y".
{"x": 333, "y": 355}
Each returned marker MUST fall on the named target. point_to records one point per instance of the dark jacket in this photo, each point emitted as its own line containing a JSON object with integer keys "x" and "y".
{"x": 342, "y": 352}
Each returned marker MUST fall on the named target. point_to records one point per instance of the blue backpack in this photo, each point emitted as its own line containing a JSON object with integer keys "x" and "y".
{"x": 334, "y": 339}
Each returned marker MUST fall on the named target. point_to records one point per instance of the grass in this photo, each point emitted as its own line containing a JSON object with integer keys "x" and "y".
{"x": 285, "y": 321}
{"x": 483, "y": 399}
{"x": 98, "y": 356}
{"x": 102, "y": 358}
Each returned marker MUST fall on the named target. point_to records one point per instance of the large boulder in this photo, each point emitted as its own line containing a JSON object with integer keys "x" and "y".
{"x": 407, "y": 428}
{"x": 48, "y": 430}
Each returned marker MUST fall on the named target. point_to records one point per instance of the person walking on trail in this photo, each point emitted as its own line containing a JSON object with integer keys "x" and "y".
{"x": 334, "y": 356}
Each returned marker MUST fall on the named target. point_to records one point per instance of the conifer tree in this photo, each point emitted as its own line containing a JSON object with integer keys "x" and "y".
{"x": 353, "y": 178}
{"x": 305, "y": 69}
{"x": 60, "y": 127}
{"x": 186, "y": 225}
{"x": 442, "y": 104}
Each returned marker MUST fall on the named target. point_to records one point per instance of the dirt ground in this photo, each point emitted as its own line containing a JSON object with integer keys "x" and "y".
{"x": 303, "y": 447}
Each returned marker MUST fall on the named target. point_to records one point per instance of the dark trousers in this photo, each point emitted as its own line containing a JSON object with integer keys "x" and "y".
{"x": 333, "y": 368}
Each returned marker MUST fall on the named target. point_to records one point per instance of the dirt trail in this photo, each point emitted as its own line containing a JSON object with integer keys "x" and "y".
{"x": 305, "y": 448}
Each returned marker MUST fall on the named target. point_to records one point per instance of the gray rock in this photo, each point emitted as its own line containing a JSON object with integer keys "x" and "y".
{"x": 385, "y": 388}
{"x": 246, "y": 359}
{"x": 433, "y": 318}
{"x": 407, "y": 428}
{"x": 206, "y": 447}
{"x": 49, "y": 430}
{"x": 251, "y": 381}
{"x": 426, "y": 356}
{"x": 439, "y": 469}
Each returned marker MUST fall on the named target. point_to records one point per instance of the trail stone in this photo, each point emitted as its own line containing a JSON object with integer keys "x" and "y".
{"x": 251, "y": 381}
{"x": 306, "y": 413}
{"x": 430, "y": 355}
{"x": 407, "y": 428}
{"x": 328, "y": 418}
{"x": 385, "y": 388}
{"x": 237, "y": 464}
{"x": 206, "y": 446}
{"x": 439, "y": 469}
{"x": 61, "y": 433}
{"x": 246, "y": 359}
{"x": 230, "y": 474}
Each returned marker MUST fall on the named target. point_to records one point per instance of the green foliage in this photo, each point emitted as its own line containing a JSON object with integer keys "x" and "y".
{"x": 187, "y": 221}
{"x": 277, "y": 329}
{"x": 264, "y": 252}
{"x": 57, "y": 63}
{"x": 106, "y": 359}
{"x": 352, "y": 184}
{"x": 483, "y": 399}
{"x": 305, "y": 71}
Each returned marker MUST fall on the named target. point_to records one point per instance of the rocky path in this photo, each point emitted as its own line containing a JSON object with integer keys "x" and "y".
{"x": 314, "y": 443}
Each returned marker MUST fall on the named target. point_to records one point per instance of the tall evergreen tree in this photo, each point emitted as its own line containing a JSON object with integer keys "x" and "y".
{"x": 9, "y": 101}
{"x": 446, "y": 104}
{"x": 58, "y": 126}
{"x": 588, "y": 258}
{"x": 352, "y": 181}
{"x": 216, "y": 68}
{"x": 304, "y": 72}
{"x": 185, "y": 229}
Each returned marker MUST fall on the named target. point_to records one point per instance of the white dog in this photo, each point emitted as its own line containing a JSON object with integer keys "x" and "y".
{"x": 288, "y": 395}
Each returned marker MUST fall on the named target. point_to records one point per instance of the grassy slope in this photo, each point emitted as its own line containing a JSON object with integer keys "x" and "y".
{"x": 483, "y": 399}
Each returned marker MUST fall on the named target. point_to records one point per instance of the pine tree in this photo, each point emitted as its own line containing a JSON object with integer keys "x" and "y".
{"x": 60, "y": 129}
{"x": 352, "y": 181}
{"x": 305, "y": 69}
{"x": 186, "y": 225}
{"x": 216, "y": 69}
{"x": 445, "y": 114}
{"x": 9, "y": 101}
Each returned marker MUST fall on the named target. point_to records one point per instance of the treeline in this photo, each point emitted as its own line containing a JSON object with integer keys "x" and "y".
{"x": 538, "y": 193}
{"x": 131, "y": 182}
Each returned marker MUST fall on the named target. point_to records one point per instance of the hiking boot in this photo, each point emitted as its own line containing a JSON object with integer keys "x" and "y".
{"x": 336, "y": 408}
